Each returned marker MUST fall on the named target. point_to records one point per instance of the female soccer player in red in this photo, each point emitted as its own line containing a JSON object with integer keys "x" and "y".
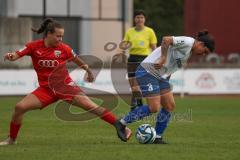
{"x": 48, "y": 55}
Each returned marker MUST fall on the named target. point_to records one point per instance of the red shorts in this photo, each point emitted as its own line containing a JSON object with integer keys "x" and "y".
{"x": 47, "y": 95}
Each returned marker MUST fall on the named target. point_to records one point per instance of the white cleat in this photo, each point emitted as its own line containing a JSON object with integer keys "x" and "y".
{"x": 8, "y": 141}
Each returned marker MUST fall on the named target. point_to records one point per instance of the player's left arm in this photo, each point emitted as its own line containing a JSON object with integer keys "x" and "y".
{"x": 72, "y": 56}
{"x": 78, "y": 61}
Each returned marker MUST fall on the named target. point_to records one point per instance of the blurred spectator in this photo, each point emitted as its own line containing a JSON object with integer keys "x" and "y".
{"x": 214, "y": 58}
{"x": 233, "y": 58}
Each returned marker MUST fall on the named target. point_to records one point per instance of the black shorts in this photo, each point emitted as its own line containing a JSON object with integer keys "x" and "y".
{"x": 133, "y": 62}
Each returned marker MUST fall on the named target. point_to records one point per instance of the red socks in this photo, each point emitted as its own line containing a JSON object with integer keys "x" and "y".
{"x": 109, "y": 117}
{"x": 106, "y": 116}
{"x": 14, "y": 128}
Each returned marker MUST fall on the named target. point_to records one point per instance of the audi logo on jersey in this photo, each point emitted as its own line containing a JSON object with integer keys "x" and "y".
{"x": 48, "y": 63}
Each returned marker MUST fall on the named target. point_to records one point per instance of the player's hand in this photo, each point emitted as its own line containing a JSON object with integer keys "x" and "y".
{"x": 89, "y": 76}
{"x": 160, "y": 63}
{"x": 9, "y": 56}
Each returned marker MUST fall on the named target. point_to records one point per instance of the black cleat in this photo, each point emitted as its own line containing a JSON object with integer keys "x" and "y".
{"x": 136, "y": 104}
{"x": 139, "y": 102}
{"x": 120, "y": 130}
{"x": 159, "y": 141}
{"x": 133, "y": 107}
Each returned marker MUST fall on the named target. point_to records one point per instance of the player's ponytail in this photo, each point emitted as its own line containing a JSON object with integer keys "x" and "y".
{"x": 202, "y": 33}
{"x": 48, "y": 25}
{"x": 207, "y": 39}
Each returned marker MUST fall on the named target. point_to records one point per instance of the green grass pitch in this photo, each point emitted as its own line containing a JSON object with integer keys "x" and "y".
{"x": 201, "y": 128}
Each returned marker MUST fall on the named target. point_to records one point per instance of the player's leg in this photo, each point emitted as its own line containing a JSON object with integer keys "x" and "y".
{"x": 72, "y": 94}
{"x": 153, "y": 106}
{"x": 136, "y": 97}
{"x": 163, "y": 117}
{"x": 87, "y": 104}
{"x": 38, "y": 99}
{"x": 81, "y": 100}
{"x": 30, "y": 102}
{"x": 150, "y": 90}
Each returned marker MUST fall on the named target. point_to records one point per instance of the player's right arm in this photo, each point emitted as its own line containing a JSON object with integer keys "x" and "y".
{"x": 13, "y": 56}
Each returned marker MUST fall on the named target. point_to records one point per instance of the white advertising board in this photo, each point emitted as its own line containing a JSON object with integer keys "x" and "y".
{"x": 191, "y": 81}
{"x": 212, "y": 81}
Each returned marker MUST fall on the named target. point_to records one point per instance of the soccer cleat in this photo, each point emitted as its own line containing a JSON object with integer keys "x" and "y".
{"x": 121, "y": 130}
{"x": 133, "y": 107}
{"x": 159, "y": 141}
{"x": 139, "y": 102}
{"x": 135, "y": 104}
{"x": 8, "y": 141}
{"x": 128, "y": 133}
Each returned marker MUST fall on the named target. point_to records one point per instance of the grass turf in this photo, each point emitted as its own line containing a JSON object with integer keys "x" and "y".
{"x": 201, "y": 128}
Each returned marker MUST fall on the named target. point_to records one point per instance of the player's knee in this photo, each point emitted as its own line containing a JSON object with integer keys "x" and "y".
{"x": 20, "y": 108}
{"x": 83, "y": 101}
{"x": 154, "y": 108}
{"x": 170, "y": 106}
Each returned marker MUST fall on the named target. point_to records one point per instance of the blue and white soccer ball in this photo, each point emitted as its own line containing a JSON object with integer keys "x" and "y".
{"x": 145, "y": 134}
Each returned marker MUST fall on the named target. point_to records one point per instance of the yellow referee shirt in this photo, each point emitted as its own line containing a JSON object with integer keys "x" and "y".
{"x": 141, "y": 40}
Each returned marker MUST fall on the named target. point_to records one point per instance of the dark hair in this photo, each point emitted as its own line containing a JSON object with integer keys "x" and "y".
{"x": 48, "y": 25}
{"x": 139, "y": 12}
{"x": 207, "y": 39}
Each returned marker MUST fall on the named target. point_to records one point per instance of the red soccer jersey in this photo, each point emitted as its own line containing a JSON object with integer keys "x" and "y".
{"x": 47, "y": 59}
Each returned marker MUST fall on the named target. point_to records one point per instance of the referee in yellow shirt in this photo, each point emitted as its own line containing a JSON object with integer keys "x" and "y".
{"x": 143, "y": 41}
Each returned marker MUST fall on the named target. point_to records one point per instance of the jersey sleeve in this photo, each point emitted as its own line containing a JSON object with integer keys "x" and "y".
{"x": 26, "y": 50}
{"x": 183, "y": 42}
{"x": 153, "y": 38}
{"x": 70, "y": 54}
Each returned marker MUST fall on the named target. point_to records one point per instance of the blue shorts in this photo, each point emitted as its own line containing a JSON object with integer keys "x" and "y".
{"x": 150, "y": 85}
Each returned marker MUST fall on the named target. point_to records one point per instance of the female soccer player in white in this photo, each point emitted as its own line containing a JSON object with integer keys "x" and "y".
{"x": 153, "y": 77}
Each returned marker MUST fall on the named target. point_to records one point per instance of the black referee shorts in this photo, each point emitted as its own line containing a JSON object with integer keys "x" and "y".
{"x": 133, "y": 62}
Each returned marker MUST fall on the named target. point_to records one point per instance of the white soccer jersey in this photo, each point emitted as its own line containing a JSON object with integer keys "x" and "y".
{"x": 177, "y": 56}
